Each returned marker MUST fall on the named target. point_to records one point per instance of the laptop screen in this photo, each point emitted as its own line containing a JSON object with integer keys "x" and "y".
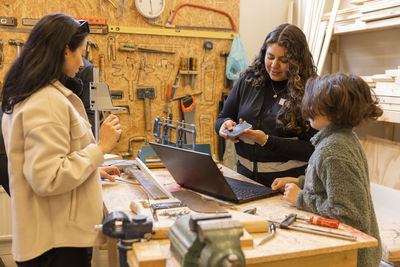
{"x": 194, "y": 170}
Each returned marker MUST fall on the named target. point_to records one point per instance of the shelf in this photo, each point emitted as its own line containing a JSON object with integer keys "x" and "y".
{"x": 390, "y": 116}
{"x": 368, "y": 27}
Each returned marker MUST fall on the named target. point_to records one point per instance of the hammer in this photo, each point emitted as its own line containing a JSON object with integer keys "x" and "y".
{"x": 89, "y": 45}
{"x": 18, "y": 43}
{"x": 146, "y": 94}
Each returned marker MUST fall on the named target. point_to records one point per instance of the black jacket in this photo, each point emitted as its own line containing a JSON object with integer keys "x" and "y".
{"x": 258, "y": 107}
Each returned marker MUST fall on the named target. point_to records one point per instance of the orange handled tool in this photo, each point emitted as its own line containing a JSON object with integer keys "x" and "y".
{"x": 169, "y": 91}
{"x": 320, "y": 221}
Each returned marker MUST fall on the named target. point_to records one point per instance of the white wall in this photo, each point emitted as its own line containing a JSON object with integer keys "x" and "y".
{"x": 257, "y": 19}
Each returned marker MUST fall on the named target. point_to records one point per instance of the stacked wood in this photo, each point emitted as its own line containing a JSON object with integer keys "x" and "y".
{"x": 387, "y": 89}
{"x": 367, "y": 15}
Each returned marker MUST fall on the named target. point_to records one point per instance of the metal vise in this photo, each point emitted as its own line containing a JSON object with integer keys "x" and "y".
{"x": 204, "y": 240}
{"x": 129, "y": 230}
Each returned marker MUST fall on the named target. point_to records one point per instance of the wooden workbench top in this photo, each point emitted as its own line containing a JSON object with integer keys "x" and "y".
{"x": 285, "y": 246}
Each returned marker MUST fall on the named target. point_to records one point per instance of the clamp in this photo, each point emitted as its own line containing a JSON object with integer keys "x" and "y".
{"x": 204, "y": 240}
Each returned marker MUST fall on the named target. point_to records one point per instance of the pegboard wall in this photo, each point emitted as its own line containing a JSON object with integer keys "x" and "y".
{"x": 127, "y": 71}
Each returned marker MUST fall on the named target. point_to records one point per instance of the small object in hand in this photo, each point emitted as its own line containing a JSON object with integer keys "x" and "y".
{"x": 238, "y": 129}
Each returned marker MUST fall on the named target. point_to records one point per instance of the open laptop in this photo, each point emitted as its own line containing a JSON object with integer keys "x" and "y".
{"x": 198, "y": 171}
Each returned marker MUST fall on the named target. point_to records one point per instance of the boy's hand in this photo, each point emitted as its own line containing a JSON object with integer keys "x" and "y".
{"x": 291, "y": 192}
{"x": 279, "y": 183}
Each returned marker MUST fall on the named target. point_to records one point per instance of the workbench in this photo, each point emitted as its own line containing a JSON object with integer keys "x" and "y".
{"x": 287, "y": 248}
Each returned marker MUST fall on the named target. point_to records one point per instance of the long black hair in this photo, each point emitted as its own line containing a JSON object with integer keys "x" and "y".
{"x": 300, "y": 67}
{"x": 42, "y": 59}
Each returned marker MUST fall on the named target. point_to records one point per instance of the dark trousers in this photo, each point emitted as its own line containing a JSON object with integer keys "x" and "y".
{"x": 61, "y": 257}
{"x": 4, "y": 173}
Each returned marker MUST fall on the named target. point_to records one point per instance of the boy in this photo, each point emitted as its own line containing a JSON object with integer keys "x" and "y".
{"x": 336, "y": 183}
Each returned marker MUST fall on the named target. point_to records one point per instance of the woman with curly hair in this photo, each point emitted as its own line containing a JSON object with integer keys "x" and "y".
{"x": 268, "y": 95}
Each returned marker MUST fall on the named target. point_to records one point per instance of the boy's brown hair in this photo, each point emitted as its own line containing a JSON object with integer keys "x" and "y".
{"x": 345, "y": 99}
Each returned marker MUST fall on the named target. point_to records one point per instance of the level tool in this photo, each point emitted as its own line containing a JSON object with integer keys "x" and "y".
{"x": 173, "y": 32}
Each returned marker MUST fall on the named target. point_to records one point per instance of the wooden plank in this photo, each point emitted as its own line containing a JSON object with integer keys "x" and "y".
{"x": 390, "y": 107}
{"x": 383, "y": 161}
{"x": 147, "y": 254}
{"x": 384, "y": 14}
{"x": 390, "y": 116}
{"x": 382, "y": 78}
{"x": 389, "y": 100}
{"x": 328, "y": 36}
{"x": 365, "y": 27}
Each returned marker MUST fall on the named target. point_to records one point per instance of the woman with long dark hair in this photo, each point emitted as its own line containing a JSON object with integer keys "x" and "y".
{"x": 53, "y": 158}
{"x": 268, "y": 95}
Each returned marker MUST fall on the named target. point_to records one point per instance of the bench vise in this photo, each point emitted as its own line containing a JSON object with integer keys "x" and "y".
{"x": 207, "y": 240}
{"x": 129, "y": 230}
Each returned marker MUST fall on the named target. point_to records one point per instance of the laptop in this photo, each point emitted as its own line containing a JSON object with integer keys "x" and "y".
{"x": 197, "y": 171}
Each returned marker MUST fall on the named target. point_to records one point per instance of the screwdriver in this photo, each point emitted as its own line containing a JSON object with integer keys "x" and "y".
{"x": 317, "y": 220}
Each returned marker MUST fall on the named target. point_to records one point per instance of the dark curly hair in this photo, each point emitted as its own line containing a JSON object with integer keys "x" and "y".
{"x": 345, "y": 99}
{"x": 300, "y": 67}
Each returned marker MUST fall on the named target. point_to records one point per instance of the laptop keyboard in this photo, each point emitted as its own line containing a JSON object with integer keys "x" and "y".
{"x": 246, "y": 190}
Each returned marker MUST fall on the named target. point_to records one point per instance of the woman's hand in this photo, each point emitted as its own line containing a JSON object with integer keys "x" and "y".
{"x": 107, "y": 171}
{"x": 279, "y": 183}
{"x": 227, "y": 125}
{"x": 109, "y": 134}
{"x": 291, "y": 192}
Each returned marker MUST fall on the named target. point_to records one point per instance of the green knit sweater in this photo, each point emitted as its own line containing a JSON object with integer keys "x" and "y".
{"x": 336, "y": 185}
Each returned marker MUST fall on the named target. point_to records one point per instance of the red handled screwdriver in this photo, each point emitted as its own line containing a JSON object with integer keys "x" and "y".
{"x": 320, "y": 221}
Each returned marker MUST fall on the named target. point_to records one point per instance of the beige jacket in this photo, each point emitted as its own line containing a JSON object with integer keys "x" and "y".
{"x": 53, "y": 165}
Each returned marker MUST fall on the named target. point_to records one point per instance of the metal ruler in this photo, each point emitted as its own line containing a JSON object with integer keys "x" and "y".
{"x": 149, "y": 182}
{"x": 173, "y": 32}
{"x": 149, "y": 186}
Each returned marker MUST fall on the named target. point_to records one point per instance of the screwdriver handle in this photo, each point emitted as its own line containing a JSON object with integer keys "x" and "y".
{"x": 324, "y": 222}
{"x": 169, "y": 91}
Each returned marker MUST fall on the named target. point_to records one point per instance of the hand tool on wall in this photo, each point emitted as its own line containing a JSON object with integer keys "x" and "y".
{"x": 146, "y": 94}
{"x": 171, "y": 91}
{"x": 130, "y": 148}
{"x": 287, "y": 224}
{"x": 173, "y": 14}
{"x": 188, "y": 69}
{"x": 188, "y": 109}
{"x": 102, "y": 72}
{"x": 29, "y": 21}
{"x": 8, "y": 21}
{"x": 1, "y": 53}
{"x": 122, "y": 7}
{"x": 130, "y": 48}
{"x": 111, "y": 49}
{"x": 18, "y": 43}
{"x": 89, "y": 46}
{"x": 228, "y": 83}
{"x": 142, "y": 68}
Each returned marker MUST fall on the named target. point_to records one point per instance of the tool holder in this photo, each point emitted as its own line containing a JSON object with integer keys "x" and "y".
{"x": 162, "y": 132}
